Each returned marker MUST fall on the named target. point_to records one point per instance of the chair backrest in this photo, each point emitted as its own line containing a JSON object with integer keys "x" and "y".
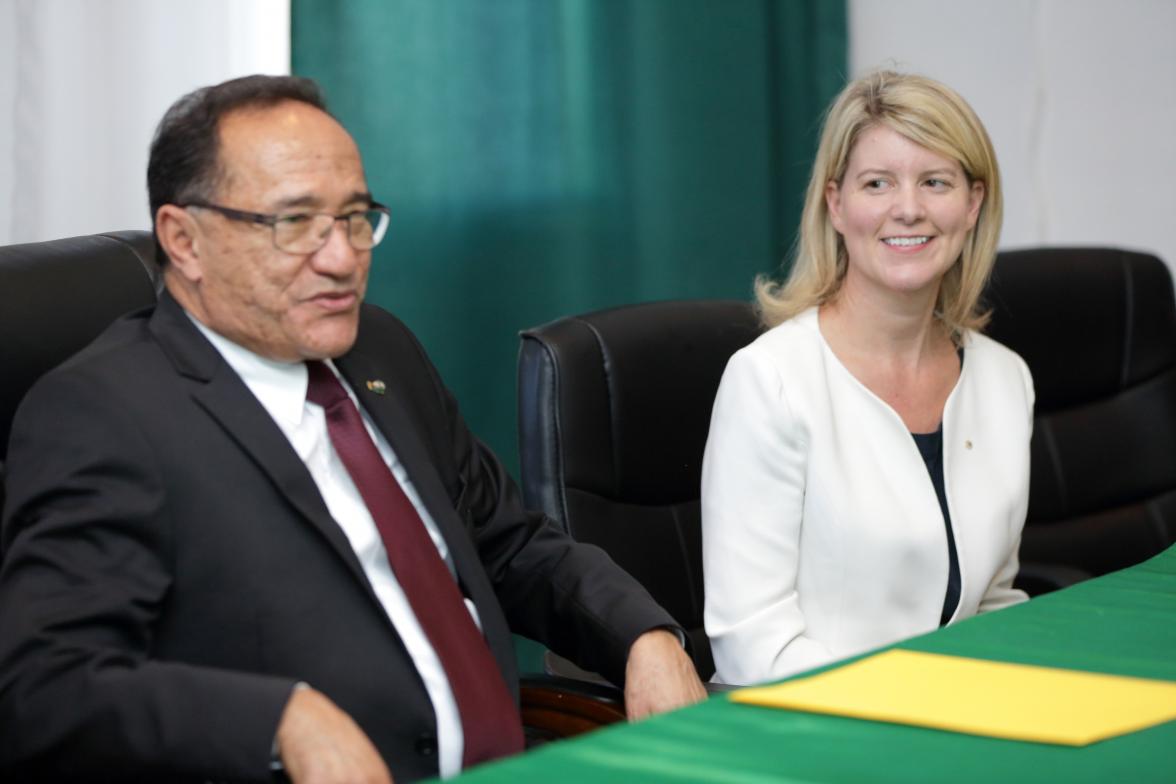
{"x": 1097, "y": 328}
{"x": 614, "y": 408}
{"x": 57, "y": 296}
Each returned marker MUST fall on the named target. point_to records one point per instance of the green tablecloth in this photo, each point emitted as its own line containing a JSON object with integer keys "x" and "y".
{"x": 1123, "y": 623}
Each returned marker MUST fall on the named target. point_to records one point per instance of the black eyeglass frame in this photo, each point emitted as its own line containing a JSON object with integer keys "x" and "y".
{"x": 272, "y": 220}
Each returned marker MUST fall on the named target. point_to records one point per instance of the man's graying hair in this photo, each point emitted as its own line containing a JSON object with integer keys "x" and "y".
{"x": 184, "y": 162}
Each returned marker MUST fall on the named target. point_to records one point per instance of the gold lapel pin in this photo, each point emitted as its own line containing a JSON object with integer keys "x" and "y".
{"x": 377, "y": 386}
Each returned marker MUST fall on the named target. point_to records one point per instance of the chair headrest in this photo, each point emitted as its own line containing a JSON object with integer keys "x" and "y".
{"x": 57, "y": 296}
{"x": 636, "y": 385}
{"x": 1089, "y": 322}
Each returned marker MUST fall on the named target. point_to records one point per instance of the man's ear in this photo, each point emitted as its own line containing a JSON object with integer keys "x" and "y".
{"x": 180, "y": 237}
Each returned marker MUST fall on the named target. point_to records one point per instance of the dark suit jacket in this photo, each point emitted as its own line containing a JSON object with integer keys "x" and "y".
{"x": 171, "y": 570}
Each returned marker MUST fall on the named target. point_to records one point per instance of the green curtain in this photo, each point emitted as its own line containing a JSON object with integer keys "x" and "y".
{"x": 549, "y": 157}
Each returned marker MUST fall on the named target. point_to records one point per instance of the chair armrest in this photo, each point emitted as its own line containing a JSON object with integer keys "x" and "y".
{"x": 554, "y": 707}
{"x": 718, "y": 688}
{"x": 1038, "y": 578}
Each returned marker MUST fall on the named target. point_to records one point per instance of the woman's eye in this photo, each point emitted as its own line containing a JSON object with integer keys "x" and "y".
{"x": 938, "y": 184}
{"x": 875, "y": 185}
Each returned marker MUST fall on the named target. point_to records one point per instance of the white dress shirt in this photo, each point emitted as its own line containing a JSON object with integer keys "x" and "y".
{"x": 281, "y": 388}
{"x": 822, "y": 532}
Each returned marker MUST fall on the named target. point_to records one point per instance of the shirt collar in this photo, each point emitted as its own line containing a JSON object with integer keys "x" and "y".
{"x": 279, "y": 386}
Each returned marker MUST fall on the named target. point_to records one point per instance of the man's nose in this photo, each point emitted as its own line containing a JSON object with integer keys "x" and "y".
{"x": 337, "y": 256}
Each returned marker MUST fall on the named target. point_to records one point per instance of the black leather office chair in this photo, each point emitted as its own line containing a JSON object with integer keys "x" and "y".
{"x": 57, "y": 296}
{"x": 614, "y": 408}
{"x": 1097, "y": 328}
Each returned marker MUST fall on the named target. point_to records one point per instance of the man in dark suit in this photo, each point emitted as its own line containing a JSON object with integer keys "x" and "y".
{"x": 221, "y": 561}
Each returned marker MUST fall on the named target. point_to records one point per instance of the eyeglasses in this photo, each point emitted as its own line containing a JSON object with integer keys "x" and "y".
{"x": 307, "y": 232}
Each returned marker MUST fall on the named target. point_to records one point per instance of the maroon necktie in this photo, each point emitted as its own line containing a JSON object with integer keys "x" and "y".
{"x": 489, "y": 719}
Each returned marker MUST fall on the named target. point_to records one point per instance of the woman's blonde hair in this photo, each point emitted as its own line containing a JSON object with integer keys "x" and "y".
{"x": 933, "y": 116}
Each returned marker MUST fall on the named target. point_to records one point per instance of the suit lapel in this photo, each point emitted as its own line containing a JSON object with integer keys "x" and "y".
{"x": 221, "y": 392}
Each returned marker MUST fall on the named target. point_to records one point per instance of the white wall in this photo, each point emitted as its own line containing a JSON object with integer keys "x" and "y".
{"x": 83, "y": 84}
{"x": 1079, "y": 97}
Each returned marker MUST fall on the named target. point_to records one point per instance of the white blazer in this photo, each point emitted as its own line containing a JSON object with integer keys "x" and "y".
{"x": 822, "y": 533}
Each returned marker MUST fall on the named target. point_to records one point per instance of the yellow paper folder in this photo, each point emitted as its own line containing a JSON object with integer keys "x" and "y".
{"x": 978, "y": 697}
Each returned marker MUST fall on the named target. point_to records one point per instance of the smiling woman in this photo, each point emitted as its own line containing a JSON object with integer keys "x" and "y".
{"x": 864, "y": 483}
